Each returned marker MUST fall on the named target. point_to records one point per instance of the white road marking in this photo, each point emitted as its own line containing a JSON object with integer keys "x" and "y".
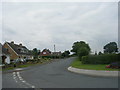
{"x": 23, "y": 81}
{"x": 16, "y": 81}
{"x": 14, "y": 77}
{"x": 20, "y": 77}
{"x": 28, "y": 84}
{"x": 13, "y": 72}
{"x": 17, "y": 74}
{"x": 33, "y": 86}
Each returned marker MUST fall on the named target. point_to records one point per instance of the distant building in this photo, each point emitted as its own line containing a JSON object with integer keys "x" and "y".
{"x": 18, "y": 51}
{"x": 56, "y": 53}
{"x": 4, "y": 55}
{"x": 45, "y": 52}
{"x": 118, "y": 50}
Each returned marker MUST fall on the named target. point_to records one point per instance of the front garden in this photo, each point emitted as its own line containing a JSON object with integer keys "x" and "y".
{"x": 27, "y": 63}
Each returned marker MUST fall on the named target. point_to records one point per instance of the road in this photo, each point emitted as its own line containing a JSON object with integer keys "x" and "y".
{"x": 55, "y": 75}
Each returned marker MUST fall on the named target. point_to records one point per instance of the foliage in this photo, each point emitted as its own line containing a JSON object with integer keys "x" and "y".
{"x": 35, "y": 53}
{"x": 110, "y": 47}
{"x": 100, "y": 59}
{"x": 65, "y": 53}
{"x": 81, "y": 48}
{"x": 78, "y": 64}
{"x": 95, "y": 53}
{"x": 100, "y": 53}
{"x": 82, "y": 52}
{"x": 78, "y": 45}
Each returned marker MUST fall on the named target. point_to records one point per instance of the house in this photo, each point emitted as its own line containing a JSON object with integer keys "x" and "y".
{"x": 56, "y": 53}
{"x": 17, "y": 51}
{"x": 4, "y": 55}
{"x": 45, "y": 52}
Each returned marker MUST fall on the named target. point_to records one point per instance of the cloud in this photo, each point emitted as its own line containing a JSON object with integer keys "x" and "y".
{"x": 42, "y": 25}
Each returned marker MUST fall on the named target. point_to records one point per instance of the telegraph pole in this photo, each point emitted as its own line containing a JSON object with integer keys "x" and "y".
{"x": 54, "y": 48}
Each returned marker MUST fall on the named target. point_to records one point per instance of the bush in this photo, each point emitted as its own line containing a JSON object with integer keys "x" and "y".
{"x": 100, "y": 59}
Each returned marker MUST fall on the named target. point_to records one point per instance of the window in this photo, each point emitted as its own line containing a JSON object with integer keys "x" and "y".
{"x": 24, "y": 50}
{"x": 44, "y": 52}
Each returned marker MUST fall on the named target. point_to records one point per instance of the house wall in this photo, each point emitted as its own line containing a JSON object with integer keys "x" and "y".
{"x": 13, "y": 54}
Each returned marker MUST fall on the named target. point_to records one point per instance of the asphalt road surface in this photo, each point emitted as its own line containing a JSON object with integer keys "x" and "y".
{"x": 55, "y": 75}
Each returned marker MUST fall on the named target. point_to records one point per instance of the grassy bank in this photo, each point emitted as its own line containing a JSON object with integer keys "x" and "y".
{"x": 77, "y": 64}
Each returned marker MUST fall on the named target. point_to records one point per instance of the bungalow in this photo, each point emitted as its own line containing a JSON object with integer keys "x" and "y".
{"x": 4, "y": 55}
{"x": 17, "y": 51}
{"x": 48, "y": 53}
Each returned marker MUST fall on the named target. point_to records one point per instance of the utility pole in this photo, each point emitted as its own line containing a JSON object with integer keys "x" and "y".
{"x": 54, "y": 48}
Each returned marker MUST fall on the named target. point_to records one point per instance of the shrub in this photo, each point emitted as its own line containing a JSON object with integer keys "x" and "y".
{"x": 100, "y": 59}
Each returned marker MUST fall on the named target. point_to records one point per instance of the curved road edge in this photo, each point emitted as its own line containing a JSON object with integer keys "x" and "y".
{"x": 93, "y": 72}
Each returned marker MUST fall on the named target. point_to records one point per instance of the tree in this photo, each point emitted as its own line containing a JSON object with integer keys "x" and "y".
{"x": 66, "y": 53}
{"x": 100, "y": 53}
{"x": 77, "y": 45}
{"x": 35, "y": 53}
{"x": 95, "y": 52}
{"x": 83, "y": 51}
{"x": 110, "y": 47}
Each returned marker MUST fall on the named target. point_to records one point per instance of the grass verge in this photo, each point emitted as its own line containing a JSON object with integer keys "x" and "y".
{"x": 23, "y": 65}
{"x": 77, "y": 64}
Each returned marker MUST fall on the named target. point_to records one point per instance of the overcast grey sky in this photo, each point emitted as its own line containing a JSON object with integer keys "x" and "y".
{"x": 42, "y": 25}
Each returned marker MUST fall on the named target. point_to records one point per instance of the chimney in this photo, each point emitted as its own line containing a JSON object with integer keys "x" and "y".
{"x": 12, "y": 42}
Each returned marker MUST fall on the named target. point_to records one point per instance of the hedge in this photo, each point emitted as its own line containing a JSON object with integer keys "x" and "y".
{"x": 100, "y": 59}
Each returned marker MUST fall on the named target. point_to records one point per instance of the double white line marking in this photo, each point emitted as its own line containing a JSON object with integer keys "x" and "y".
{"x": 17, "y": 77}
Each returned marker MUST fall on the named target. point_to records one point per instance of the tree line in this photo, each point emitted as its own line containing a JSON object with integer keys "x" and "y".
{"x": 81, "y": 48}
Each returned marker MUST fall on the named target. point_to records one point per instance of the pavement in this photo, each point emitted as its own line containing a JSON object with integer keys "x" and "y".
{"x": 55, "y": 75}
{"x": 94, "y": 72}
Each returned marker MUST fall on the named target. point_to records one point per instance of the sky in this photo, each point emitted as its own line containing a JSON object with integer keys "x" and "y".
{"x": 43, "y": 24}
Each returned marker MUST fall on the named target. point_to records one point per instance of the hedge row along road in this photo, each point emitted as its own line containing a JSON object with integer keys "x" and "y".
{"x": 55, "y": 75}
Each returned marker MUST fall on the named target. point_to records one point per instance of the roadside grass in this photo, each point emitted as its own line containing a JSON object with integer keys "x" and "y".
{"x": 24, "y": 65}
{"x": 9, "y": 68}
{"x": 18, "y": 66}
{"x": 78, "y": 64}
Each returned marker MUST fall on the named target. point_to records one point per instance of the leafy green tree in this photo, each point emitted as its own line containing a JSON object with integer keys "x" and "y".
{"x": 66, "y": 53}
{"x": 100, "y": 53}
{"x": 35, "y": 53}
{"x": 83, "y": 51}
{"x": 95, "y": 52}
{"x": 77, "y": 45}
{"x": 110, "y": 47}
